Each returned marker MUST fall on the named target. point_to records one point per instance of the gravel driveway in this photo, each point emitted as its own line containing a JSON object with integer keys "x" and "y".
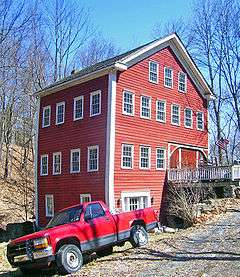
{"x": 212, "y": 249}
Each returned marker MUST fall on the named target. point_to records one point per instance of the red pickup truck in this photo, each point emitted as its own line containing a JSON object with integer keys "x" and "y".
{"x": 78, "y": 230}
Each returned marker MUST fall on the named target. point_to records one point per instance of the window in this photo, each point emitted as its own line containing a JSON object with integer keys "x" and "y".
{"x": 127, "y": 156}
{"x": 85, "y": 198}
{"x": 94, "y": 211}
{"x": 161, "y": 111}
{"x": 78, "y": 108}
{"x": 49, "y": 205}
{"x": 95, "y": 103}
{"x": 153, "y": 72}
{"x": 44, "y": 165}
{"x": 200, "y": 121}
{"x": 182, "y": 84}
{"x": 160, "y": 158}
{"x": 75, "y": 161}
{"x": 57, "y": 163}
{"x": 145, "y": 157}
{"x": 60, "y": 113}
{"x": 168, "y": 77}
{"x": 128, "y": 103}
{"x": 93, "y": 156}
{"x": 145, "y": 107}
{"x": 135, "y": 200}
{"x": 175, "y": 117}
{"x": 188, "y": 118}
{"x": 46, "y": 119}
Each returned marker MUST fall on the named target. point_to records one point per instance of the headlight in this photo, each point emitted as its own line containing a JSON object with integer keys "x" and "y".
{"x": 40, "y": 243}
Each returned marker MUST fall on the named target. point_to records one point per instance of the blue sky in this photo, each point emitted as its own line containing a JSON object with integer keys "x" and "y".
{"x": 130, "y": 23}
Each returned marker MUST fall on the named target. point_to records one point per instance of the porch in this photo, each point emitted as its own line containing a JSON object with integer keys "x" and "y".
{"x": 204, "y": 174}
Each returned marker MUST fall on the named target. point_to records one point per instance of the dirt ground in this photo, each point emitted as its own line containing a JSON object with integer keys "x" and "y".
{"x": 211, "y": 249}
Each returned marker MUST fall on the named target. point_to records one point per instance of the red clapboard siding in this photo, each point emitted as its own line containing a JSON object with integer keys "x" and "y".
{"x": 67, "y": 187}
{"x": 137, "y": 131}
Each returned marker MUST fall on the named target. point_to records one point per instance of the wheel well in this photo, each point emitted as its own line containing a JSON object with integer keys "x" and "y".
{"x": 69, "y": 240}
{"x": 139, "y": 222}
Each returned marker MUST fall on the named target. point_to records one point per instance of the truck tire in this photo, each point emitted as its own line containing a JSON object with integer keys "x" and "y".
{"x": 139, "y": 236}
{"x": 69, "y": 259}
{"x": 105, "y": 251}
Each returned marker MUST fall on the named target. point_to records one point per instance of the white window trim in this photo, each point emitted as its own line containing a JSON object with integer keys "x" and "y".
{"x": 165, "y": 157}
{"x": 132, "y": 156}
{"x": 166, "y": 67}
{"x": 149, "y": 157}
{"x": 100, "y": 102}
{"x": 41, "y": 173}
{"x": 135, "y": 194}
{"x": 200, "y": 129}
{"x": 150, "y": 107}
{"x": 72, "y": 151}
{"x": 189, "y": 127}
{"x": 88, "y": 165}
{"x": 74, "y": 107}
{"x": 175, "y": 124}
{"x": 46, "y": 209}
{"x": 44, "y": 109}
{"x": 184, "y": 91}
{"x": 55, "y": 154}
{"x": 57, "y": 105}
{"x": 153, "y": 72}
{"x": 164, "y": 101}
{"x": 133, "y": 94}
{"x": 85, "y": 195}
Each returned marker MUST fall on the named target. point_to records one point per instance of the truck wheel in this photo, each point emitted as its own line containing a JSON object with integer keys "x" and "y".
{"x": 105, "y": 251}
{"x": 69, "y": 259}
{"x": 139, "y": 236}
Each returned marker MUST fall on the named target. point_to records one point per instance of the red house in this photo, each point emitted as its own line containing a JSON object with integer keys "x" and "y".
{"x": 110, "y": 132}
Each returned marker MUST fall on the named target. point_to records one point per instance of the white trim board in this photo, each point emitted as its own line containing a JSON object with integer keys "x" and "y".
{"x": 110, "y": 141}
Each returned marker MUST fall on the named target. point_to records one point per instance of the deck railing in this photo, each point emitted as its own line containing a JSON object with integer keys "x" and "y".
{"x": 208, "y": 173}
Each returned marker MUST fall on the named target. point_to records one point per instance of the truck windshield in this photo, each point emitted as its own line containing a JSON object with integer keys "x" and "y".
{"x": 66, "y": 216}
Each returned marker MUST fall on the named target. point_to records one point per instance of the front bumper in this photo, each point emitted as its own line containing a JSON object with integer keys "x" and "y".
{"x": 31, "y": 258}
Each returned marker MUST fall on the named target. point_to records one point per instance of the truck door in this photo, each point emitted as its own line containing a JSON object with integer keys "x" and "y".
{"x": 99, "y": 227}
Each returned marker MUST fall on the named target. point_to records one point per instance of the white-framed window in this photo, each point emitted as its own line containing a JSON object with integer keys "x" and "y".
{"x": 85, "y": 198}
{"x": 161, "y": 111}
{"x": 175, "y": 114}
{"x": 60, "y": 113}
{"x": 128, "y": 103}
{"x": 160, "y": 158}
{"x": 57, "y": 163}
{"x": 95, "y": 103}
{"x": 46, "y": 118}
{"x": 168, "y": 77}
{"x": 44, "y": 165}
{"x": 78, "y": 107}
{"x": 135, "y": 200}
{"x": 188, "y": 119}
{"x": 200, "y": 121}
{"x": 127, "y": 156}
{"x": 145, "y": 157}
{"x": 182, "y": 82}
{"x": 49, "y": 205}
{"x": 75, "y": 161}
{"x": 93, "y": 158}
{"x": 145, "y": 107}
{"x": 153, "y": 72}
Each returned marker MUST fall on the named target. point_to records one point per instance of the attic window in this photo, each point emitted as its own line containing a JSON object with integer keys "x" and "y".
{"x": 182, "y": 82}
{"x": 168, "y": 77}
{"x": 153, "y": 72}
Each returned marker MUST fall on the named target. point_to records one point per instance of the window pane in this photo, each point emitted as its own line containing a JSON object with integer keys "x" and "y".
{"x": 44, "y": 165}
{"x": 144, "y": 157}
{"x": 160, "y": 155}
{"x": 60, "y": 113}
{"x": 175, "y": 115}
{"x": 127, "y": 153}
{"x": 188, "y": 118}
{"x": 200, "y": 121}
{"x": 78, "y": 108}
{"x": 75, "y": 161}
{"x": 46, "y": 116}
{"x": 146, "y": 106}
{"x": 182, "y": 81}
{"x": 161, "y": 113}
{"x": 128, "y": 103}
{"x": 168, "y": 77}
{"x": 95, "y": 103}
{"x": 57, "y": 163}
{"x": 153, "y": 72}
{"x": 93, "y": 158}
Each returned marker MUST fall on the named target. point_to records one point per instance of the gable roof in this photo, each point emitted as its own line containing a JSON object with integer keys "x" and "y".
{"x": 123, "y": 61}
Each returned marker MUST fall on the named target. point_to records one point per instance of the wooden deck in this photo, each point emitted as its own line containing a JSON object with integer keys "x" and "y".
{"x": 204, "y": 174}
